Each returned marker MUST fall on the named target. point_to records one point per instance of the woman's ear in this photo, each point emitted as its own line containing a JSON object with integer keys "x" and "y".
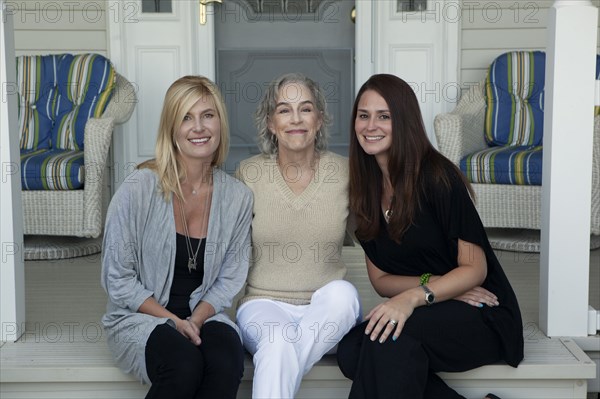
{"x": 320, "y": 122}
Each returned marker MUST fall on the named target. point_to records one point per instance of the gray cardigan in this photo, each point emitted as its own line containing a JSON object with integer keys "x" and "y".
{"x": 139, "y": 254}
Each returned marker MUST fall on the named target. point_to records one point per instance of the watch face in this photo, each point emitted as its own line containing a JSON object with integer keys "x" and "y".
{"x": 429, "y": 298}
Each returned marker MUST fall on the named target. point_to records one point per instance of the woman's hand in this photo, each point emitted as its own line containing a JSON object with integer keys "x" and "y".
{"x": 189, "y": 330}
{"x": 186, "y": 327}
{"x": 478, "y": 297}
{"x": 388, "y": 318}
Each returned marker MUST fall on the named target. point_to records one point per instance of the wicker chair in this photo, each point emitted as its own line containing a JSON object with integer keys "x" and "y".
{"x": 460, "y": 133}
{"x": 80, "y": 212}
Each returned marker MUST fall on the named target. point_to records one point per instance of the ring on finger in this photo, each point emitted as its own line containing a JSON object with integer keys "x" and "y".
{"x": 393, "y": 322}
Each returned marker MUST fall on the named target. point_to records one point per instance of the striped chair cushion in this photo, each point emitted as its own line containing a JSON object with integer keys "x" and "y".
{"x": 36, "y": 94}
{"x": 504, "y": 165}
{"x": 52, "y": 170}
{"x": 515, "y": 99}
{"x": 86, "y": 83}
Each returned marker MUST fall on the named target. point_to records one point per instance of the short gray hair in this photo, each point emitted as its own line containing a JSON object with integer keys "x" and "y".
{"x": 266, "y": 108}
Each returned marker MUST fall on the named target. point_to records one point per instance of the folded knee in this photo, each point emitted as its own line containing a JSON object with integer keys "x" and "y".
{"x": 339, "y": 294}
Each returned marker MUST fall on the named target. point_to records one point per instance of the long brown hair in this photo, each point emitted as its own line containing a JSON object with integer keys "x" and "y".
{"x": 409, "y": 152}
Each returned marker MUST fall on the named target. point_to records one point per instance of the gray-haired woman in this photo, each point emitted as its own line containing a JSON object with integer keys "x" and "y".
{"x": 297, "y": 305}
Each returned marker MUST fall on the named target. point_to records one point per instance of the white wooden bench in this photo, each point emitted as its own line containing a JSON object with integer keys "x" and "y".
{"x": 552, "y": 369}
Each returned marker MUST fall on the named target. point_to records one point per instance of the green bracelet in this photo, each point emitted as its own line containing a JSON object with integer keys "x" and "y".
{"x": 424, "y": 278}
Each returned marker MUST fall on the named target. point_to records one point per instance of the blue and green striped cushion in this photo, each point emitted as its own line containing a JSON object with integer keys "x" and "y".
{"x": 504, "y": 165}
{"x": 36, "y": 94}
{"x": 52, "y": 170}
{"x": 515, "y": 99}
{"x": 86, "y": 83}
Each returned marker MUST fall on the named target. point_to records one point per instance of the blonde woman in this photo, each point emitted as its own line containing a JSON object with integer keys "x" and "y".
{"x": 175, "y": 254}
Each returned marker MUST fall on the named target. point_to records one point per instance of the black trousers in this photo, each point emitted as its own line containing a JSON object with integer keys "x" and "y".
{"x": 179, "y": 369}
{"x": 449, "y": 336}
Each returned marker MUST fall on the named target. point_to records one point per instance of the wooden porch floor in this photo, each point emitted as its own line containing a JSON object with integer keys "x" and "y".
{"x": 64, "y": 340}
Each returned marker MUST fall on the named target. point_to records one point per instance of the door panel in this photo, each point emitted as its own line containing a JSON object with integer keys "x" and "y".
{"x": 152, "y": 45}
{"x": 153, "y": 62}
{"x": 256, "y": 41}
{"x": 418, "y": 41}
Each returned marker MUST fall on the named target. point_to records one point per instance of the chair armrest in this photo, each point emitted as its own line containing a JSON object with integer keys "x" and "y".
{"x": 97, "y": 139}
{"x": 461, "y": 131}
{"x": 123, "y": 101}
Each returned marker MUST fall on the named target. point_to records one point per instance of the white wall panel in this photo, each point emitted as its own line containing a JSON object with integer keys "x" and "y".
{"x": 492, "y": 27}
{"x": 504, "y": 39}
{"x": 49, "y": 26}
{"x": 45, "y": 42}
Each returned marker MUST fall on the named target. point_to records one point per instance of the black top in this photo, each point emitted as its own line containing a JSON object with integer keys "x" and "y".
{"x": 430, "y": 245}
{"x": 184, "y": 281}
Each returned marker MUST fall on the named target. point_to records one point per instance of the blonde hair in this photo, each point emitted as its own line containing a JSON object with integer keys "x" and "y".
{"x": 179, "y": 99}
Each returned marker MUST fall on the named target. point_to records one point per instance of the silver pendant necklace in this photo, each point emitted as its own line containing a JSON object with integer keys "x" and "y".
{"x": 192, "y": 255}
{"x": 389, "y": 212}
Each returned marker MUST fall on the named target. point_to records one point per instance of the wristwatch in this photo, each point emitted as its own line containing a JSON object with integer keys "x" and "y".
{"x": 429, "y": 296}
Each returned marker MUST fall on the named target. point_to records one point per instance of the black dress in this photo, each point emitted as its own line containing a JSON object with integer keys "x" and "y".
{"x": 447, "y": 336}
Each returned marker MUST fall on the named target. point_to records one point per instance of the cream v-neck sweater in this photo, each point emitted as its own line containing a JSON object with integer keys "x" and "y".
{"x": 296, "y": 239}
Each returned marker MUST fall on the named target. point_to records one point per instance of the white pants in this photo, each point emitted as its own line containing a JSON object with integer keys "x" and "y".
{"x": 287, "y": 340}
